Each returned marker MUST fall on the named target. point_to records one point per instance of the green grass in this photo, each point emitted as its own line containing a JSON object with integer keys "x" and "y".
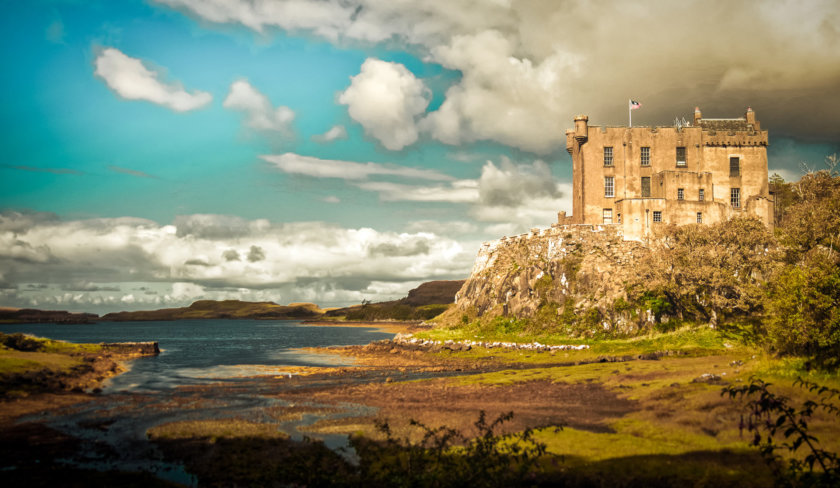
{"x": 690, "y": 341}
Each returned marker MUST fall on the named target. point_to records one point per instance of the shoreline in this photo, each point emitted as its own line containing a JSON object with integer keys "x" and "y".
{"x": 390, "y": 327}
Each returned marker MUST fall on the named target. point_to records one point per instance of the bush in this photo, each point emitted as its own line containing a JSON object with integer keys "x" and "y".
{"x": 21, "y": 342}
{"x": 708, "y": 272}
{"x": 446, "y": 457}
{"x": 803, "y": 317}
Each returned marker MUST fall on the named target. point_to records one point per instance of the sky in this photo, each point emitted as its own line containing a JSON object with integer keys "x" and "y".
{"x": 332, "y": 151}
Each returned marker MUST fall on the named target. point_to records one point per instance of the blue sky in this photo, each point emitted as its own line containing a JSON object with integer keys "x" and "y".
{"x": 150, "y": 146}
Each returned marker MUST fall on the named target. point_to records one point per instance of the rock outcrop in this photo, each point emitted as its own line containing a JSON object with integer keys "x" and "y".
{"x": 566, "y": 271}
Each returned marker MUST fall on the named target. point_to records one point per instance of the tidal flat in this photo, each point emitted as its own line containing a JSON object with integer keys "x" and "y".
{"x": 641, "y": 412}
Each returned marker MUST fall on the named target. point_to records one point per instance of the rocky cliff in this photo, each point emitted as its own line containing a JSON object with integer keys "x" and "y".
{"x": 557, "y": 276}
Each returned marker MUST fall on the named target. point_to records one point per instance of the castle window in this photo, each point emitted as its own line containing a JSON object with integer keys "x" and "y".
{"x": 609, "y": 186}
{"x": 702, "y": 195}
{"x": 619, "y": 218}
{"x": 681, "y": 156}
{"x": 608, "y": 216}
{"x": 645, "y": 186}
{"x": 657, "y": 216}
{"x": 735, "y": 197}
{"x": 680, "y": 194}
{"x": 608, "y": 156}
{"x": 699, "y": 217}
{"x": 645, "y": 156}
{"x": 734, "y": 166}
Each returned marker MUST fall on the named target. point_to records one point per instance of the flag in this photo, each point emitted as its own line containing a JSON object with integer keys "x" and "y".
{"x": 635, "y": 105}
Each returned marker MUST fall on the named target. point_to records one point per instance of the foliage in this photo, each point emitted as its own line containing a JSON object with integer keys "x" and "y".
{"x": 709, "y": 272}
{"x": 394, "y": 311}
{"x": 803, "y": 316}
{"x": 814, "y": 219}
{"x": 21, "y": 342}
{"x": 771, "y": 416}
{"x": 783, "y": 197}
{"x": 446, "y": 457}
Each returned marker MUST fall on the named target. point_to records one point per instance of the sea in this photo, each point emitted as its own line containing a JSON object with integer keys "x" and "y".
{"x": 197, "y": 351}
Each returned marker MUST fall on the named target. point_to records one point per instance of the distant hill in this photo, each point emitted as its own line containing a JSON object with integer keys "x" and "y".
{"x": 224, "y": 309}
{"x": 424, "y": 302}
{"x": 428, "y": 300}
{"x": 33, "y": 316}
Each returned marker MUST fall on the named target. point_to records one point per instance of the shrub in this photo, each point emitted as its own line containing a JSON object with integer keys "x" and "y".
{"x": 446, "y": 457}
{"x": 803, "y": 317}
{"x": 21, "y": 342}
{"x": 771, "y": 416}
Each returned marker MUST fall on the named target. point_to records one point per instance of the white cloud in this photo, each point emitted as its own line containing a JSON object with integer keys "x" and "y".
{"x": 502, "y": 97}
{"x": 332, "y": 199}
{"x": 259, "y": 113}
{"x": 130, "y": 79}
{"x": 347, "y": 170}
{"x": 526, "y": 194}
{"x": 386, "y": 98}
{"x": 324, "y": 18}
{"x": 300, "y": 261}
{"x": 461, "y": 191}
{"x": 336, "y": 132}
{"x": 528, "y": 67}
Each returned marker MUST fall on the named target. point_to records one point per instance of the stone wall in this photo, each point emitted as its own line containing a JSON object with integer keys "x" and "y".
{"x": 545, "y": 271}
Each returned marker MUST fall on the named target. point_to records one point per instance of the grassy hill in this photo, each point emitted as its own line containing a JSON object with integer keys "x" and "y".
{"x": 422, "y": 303}
{"x": 224, "y": 309}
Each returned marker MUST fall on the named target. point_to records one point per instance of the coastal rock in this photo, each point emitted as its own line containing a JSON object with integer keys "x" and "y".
{"x": 570, "y": 269}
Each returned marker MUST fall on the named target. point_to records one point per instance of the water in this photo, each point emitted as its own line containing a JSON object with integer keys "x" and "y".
{"x": 193, "y": 353}
{"x": 199, "y": 351}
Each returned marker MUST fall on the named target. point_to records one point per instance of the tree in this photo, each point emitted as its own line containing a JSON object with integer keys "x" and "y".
{"x": 803, "y": 308}
{"x": 814, "y": 219}
{"x": 709, "y": 272}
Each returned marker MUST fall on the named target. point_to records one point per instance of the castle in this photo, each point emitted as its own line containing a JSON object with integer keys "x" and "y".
{"x": 638, "y": 178}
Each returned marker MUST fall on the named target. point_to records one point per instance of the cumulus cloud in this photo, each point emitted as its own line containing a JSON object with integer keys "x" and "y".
{"x": 86, "y": 261}
{"x": 231, "y": 255}
{"x": 129, "y": 78}
{"x": 527, "y": 194}
{"x": 387, "y": 99}
{"x": 256, "y": 253}
{"x": 528, "y": 67}
{"x": 259, "y": 113}
{"x": 347, "y": 170}
{"x": 335, "y": 133}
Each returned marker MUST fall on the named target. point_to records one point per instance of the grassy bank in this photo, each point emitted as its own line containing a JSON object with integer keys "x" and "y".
{"x": 31, "y": 365}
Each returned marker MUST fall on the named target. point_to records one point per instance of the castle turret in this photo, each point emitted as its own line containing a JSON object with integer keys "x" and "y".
{"x": 570, "y": 140}
{"x": 698, "y": 116}
{"x": 581, "y": 128}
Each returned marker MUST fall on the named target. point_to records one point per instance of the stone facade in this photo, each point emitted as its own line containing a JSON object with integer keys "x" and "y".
{"x": 640, "y": 177}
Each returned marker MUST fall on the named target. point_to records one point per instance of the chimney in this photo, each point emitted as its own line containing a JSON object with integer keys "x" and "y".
{"x": 750, "y": 116}
{"x": 697, "y": 116}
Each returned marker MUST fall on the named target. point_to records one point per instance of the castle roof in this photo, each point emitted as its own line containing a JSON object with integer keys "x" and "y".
{"x": 724, "y": 124}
